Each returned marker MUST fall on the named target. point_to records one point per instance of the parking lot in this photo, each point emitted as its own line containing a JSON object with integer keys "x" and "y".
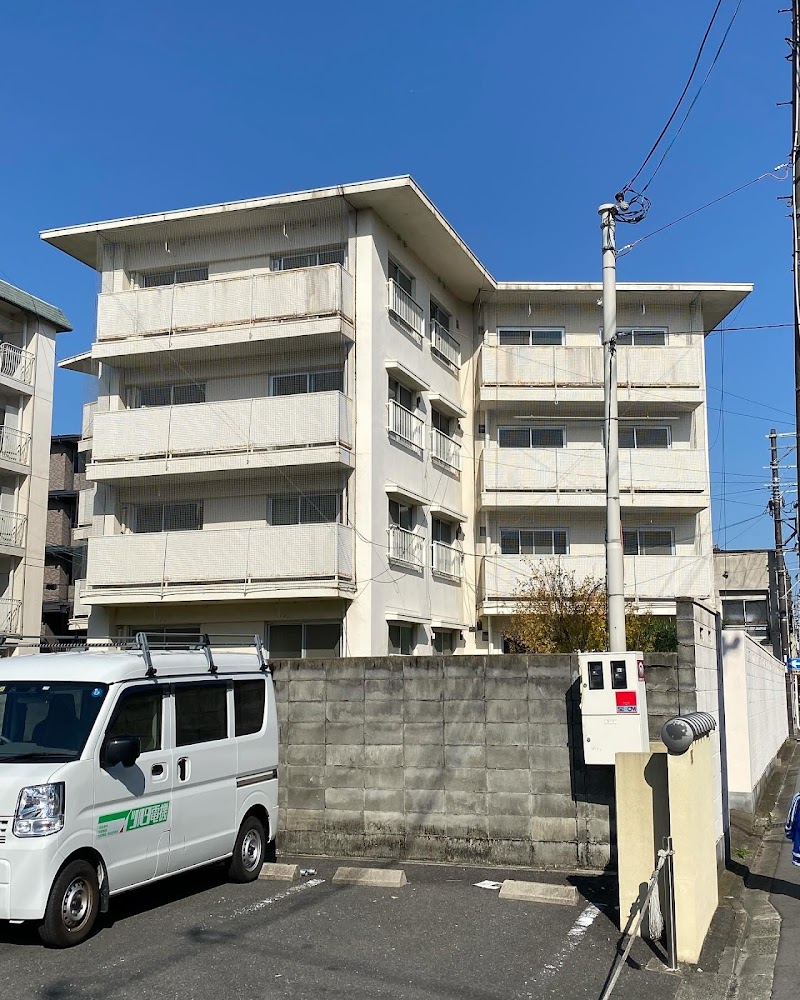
{"x": 440, "y": 936}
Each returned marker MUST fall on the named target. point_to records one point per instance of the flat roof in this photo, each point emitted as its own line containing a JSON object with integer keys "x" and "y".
{"x": 21, "y": 299}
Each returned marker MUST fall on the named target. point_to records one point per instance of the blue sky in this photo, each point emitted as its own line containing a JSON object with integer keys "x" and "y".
{"x": 516, "y": 122}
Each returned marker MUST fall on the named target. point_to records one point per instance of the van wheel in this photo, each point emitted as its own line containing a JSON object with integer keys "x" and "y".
{"x": 248, "y": 853}
{"x": 72, "y": 907}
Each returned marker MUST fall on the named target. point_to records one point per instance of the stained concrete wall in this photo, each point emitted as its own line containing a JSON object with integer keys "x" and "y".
{"x": 469, "y": 758}
{"x": 755, "y": 712}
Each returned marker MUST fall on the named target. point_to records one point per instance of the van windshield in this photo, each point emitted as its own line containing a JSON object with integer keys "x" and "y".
{"x": 47, "y": 720}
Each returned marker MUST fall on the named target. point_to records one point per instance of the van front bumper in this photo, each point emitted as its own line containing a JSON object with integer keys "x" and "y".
{"x": 26, "y": 875}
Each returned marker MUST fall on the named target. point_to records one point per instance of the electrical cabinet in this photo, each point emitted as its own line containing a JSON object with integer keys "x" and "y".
{"x": 613, "y": 705}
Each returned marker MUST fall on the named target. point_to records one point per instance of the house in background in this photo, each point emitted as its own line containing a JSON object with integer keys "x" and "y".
{"x": 747, "y": 584}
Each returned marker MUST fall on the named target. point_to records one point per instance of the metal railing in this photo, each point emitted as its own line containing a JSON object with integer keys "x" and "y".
{"x": 444, "y": 344}
{"x": 446, "y": 560}
{"x": 405, "y": 547}
{"x": 406, "y": 425}
{"x": 14, "y": 444}
{"x": 405, "y": 308}
{"x": 12, "y": 528}
{"x": 16, "y": 363}
{"x": 10, "y": 615}
{"x": 445, "y": 450}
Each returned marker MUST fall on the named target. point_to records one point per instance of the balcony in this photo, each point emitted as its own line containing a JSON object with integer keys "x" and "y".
{"x": 12, "y": 530}
{"x": 446, "y": 560}
{"x": 409, "y": 312}
{"x": 85, "y": 515}
{"x": 228, "y": 304}
{"x": 445, "y": 450}
{"x": 308, "y": 428}
{"x": 510, "y": 373}
{"x": 444, "y": 345}
{"x": 14, "y": 449}
{"x": 229, "y": 563}
{"x": 406, "y": 426}
{"x": 16, "y": 365}
{"x": 575, "y": 477}
{"x": 80, "y": 611}
{"x": 646, "y": 577}
{"x": 406, "y": 548}
{"x": 87, "y": 426}
{"x": 10, "y": 615}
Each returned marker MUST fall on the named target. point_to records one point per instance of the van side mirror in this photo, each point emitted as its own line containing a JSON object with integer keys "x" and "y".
{"x": 123, "y": 750}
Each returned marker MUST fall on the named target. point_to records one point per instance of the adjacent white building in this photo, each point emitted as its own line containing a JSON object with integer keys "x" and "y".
{"x": 28, "y": 329}
{"x": 320, "y": 418}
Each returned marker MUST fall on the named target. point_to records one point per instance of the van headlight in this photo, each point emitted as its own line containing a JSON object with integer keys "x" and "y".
{"x": 40, "y": 810}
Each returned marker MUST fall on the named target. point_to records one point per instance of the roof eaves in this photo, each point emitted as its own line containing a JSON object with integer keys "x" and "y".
{"x": 21, "y": 299}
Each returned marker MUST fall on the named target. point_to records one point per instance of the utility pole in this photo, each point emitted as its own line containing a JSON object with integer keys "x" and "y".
{"x": 615, "y": 566}
{"x": 776, "y": 508}
{"x": 794, "y": 42}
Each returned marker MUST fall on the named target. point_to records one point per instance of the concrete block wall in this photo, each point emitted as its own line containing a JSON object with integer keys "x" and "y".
{"x": 464, "y": 758}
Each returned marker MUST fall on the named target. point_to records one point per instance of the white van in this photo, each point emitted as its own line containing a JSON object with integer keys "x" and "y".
{"x": 120, "y": 768}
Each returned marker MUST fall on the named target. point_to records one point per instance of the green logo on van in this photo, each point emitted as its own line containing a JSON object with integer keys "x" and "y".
{"x": 132, "y": 819}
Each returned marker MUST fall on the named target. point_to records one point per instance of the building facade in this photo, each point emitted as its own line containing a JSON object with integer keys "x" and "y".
{"x": 321, "y": 419}
{"x": 747, "y": 584}
{"x": 28, "y": 329}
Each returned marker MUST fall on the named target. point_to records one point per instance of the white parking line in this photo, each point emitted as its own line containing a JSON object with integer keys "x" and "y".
{"x": 574, "y": 937}
{"x": 277, "y": 898}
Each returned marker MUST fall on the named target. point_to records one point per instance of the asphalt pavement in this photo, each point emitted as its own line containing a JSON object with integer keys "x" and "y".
{"x": 197, "y": 937}
{"x": 785, "y": 897}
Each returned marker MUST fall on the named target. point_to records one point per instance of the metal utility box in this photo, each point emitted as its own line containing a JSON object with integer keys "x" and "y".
{"x": 613, "y": 705}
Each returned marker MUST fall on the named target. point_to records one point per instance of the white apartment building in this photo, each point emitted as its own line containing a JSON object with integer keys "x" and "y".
{"x": 28, "y": 329}
{"x": 320, "y": 418}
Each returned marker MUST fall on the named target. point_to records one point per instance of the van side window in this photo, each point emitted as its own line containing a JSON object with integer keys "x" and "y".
{"x": 201, "y": 713}
{"x": 138, "y": 713}
{"x": 248, "y": 706}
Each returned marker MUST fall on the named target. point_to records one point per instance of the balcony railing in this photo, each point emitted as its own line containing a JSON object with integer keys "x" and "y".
{"x": 275, "y": 296}
{"x": 406, "y": 425}
{"x": 446, "y": 560}
{"x": 86, "y": 505}
{"x": 14, "y": 445}
{"x": 445, "y": 345}
{"x": 445, "y": 450}
{"x": 10, "y": 615}
{"x": 87, "y": 423}
{"x": 406, "y": 309}
{"x": 236, "y": 425}
{"x": 288, "y": 556}
{"x": 405, "y": 547}
{"x": 16, "y": 363}
{"x": 12, "y": 528}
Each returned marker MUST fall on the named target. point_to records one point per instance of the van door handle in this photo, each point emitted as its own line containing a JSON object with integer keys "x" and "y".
{"x": 183, "y": 768}
{"x": 157, "y": 770}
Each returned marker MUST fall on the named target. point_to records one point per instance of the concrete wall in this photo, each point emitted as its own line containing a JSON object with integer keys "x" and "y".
{"x": 470, "y": 758}
{"x": 755, "y": 713}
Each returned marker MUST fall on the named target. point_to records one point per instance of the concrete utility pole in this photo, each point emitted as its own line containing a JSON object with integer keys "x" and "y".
{"x": 615, "y": 566}
{"x": 776, "y": 508}
{"x": 795, "y": 202}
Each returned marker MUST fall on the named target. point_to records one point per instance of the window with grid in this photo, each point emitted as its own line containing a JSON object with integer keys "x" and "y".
{"x": 442, "y": 531}
{"x": 329, "y": 380}
{"x": 648, "y": 542}
{"x": 401, "y": 515}
{"x": 401, "y": 640}
{"x": 310, "y": 258}
{"x": 644, "y": 436}
{"x": 152, "y": 517}
{"x": 639, "y": 337}
{"x": 304, "y": 640}
{"x": 402, "y": 394}
{"x": 400, "y": 277}
{"x": 156, "y": 279}
{"x": 750, "y": 612}
{"x": 440, "y": 316}
{"x": 444, "y": 641}
{"x": 536, "y": 541}
{"x": 531, "y": 437}
{"x": 175, "y": 394}
{"x": 519, "y": 336}
{"x": 442, "y": 423}
{"x": 313, "y": 508}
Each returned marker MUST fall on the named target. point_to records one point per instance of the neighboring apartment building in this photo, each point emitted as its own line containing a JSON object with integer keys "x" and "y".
{"x": 64, "y": 556}
{"x": 28, "y": 329}
{"x": 321, "y": 419}
{"x": 747, "y": 584}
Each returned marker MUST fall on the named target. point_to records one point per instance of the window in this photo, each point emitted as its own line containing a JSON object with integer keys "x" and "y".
{"x": 312, "y": 639}
{"x": 441, "y": 531}
{"x": 138, "y": 713}
{"x": 401, "y": 394}
{"x": 440, "y": 316}
{"x": 150, "y": 517}
{"x": 201, "y": 713}
{"x": 400, "y": 277}
{"x": 310, "y": 258}
{"x": 538, "y": 542}
{"x": 442, "y": 423}
{"x": 530, "y": 336}
{"x": 249, "y": 699}
{"x": 47, "y": 719}
{"x": 323, "y": 381}
{"x": 401, "y": 515}
{"x": 637, "y": 337}
{"x": 444, "y": 640}
{"x": 401, "y": 640}
{"x": 634, "y": 436}
{"x": 156, "y": 279}
{"x": 648, "y": 542}
{"x": 751, "y": 612}
{"x": 315, "y": 508}
{"x": 531, "y": 437}
{"x": 172, "y": 395}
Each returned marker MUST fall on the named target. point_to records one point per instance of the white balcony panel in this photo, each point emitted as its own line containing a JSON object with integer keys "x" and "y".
{"x": 406, "y": 547}
{"x": 10, "y": 615}
{"x": 529, "y": 367}
{"x": 239, "y": 425}
{"x": 86, "y": 505}
{"x": 14, "y": 446}
{"x": 406, "y": 309}
{"x": 445, "y": 345}
{"x": 646, "y": 577}
{"x": 577, "y": 470}
{"x": 12, "y": 529}
{"x": 446, "y": 560}
{"x": 406, "y": 425}
{"x": 226, "y": 302}
{"x": 16, "y": 364}
{"x": 305, "y": 552}
{"x": 445, "y": 450}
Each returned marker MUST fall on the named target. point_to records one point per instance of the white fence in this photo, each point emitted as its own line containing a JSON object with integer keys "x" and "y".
{"x": 16, "y": 363}
{"x": 445, "y": 450}
{"x": 406, "y": 309}
{"x": 406, "y": 425}
{"x": 405, "y": 547}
